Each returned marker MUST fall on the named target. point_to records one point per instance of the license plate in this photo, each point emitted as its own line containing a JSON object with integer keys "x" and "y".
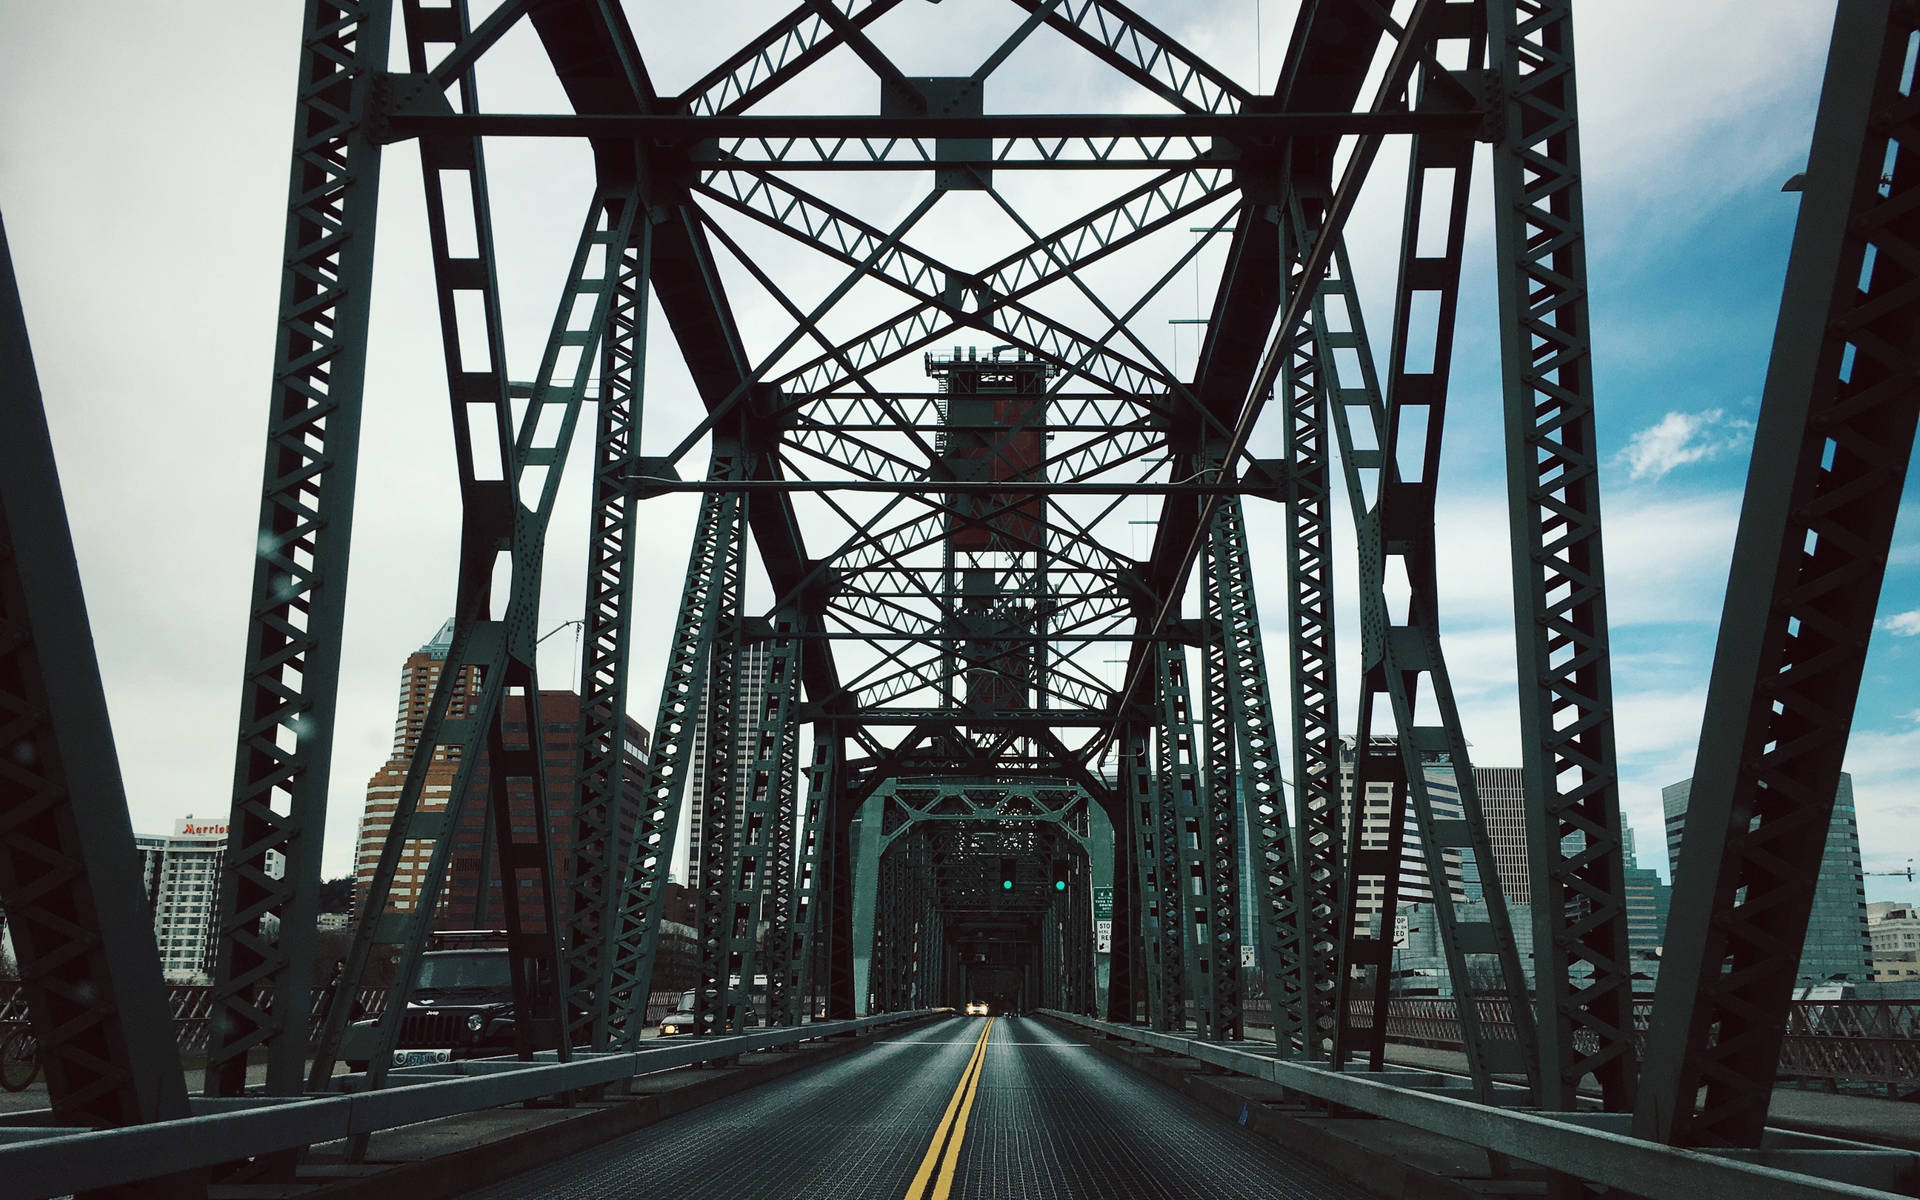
{"x": 416, "y": 1058}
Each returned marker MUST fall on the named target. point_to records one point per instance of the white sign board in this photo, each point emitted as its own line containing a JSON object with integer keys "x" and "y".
{"x": 1103, "y": 937}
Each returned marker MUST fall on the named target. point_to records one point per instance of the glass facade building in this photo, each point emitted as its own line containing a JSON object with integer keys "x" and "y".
{"x": 1838, "y": 947}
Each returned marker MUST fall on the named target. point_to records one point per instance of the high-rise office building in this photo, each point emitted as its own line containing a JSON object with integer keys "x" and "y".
{"x": 748, "y": 693}
{"x": 462, "y": 904}
{"x": 1503, "y": 804}
{"x": 1838, "y": 946}
{"x": 473, "y": 897}
{"x": 180, "y": 873}
{"x": 1376, "y": 825}
{"x": 419, "y": 676}
{"x": 1647, "y": 902}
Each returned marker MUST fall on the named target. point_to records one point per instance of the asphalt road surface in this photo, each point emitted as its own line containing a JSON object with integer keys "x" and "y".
{"x": 963, "y": 1108}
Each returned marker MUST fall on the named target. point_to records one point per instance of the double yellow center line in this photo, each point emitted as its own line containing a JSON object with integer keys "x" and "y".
{"x": 943, "y": 1155}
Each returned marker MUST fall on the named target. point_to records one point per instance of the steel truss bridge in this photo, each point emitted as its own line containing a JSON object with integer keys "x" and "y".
{"x": 943, "y": 757}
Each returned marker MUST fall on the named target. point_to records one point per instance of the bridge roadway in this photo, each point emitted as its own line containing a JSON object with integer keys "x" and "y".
{"x": 962, "y": 1108}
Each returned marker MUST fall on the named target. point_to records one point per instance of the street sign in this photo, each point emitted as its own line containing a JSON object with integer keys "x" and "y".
{"x": 1103, "y": 904}
{"x": 1103, "y": 937}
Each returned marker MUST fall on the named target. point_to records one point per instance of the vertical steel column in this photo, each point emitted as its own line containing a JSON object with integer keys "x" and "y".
{"x": 1186, "y": 834}
{"x": 782, "y": 881}
{"x": 635, "y": 939}
{"x": 749, "y": 888}
{"x": 606, "y": 775}
{"x": 808, "y": 901}
{"x": 1220, "y": 785}
{"x": 1124, "y": 962}
{"x": 1159, "y": 961}
{"x": 722, "y": 713}
{"x": 1318, "y": 863}
{"x": 69, "y": 874}
{"x": 1575, "y": 851}
{"x": 1391, "y": 484}
{"x": 291, "y": 677}
{"x": 1830, "y": 457}
{"x": 1365, "y": 963}
{"x": 509, "y": 457}
{"x": 838, "y": 899}
{"x": 1229, "y": 600}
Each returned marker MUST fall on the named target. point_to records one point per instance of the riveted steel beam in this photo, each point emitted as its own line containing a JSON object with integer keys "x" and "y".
{"x": 264, "y": 924}
{"x": 69, "y": 874}
{"x": 1576, "y": 854}
{"x": 1831, "y": 454}
{"x": 609, "y": 769}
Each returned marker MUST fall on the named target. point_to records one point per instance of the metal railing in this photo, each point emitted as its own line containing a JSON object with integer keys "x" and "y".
{"x": 42, "y": 1160}
{"x": 1850, "y": 1041}
{"x": 1593, "y": 1146}
{"x": 191, "y": 1006}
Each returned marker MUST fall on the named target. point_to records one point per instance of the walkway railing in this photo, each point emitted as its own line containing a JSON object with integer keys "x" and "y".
{"x": 191, "y": 1005}
{"x": 1594, "y": 1146}
{"x": 1857, "y": 1041}
{"x": 42, "y": 1160}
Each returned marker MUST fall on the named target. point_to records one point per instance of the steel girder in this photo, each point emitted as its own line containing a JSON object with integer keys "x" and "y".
{"x": 1393, "y": 518}
{"x": 1163, "y": 980}
{"x": 1192, "y": 860}
{"x": 600, "y": 67}
{"x": 69, "y": 873}
{"x": 793, "y": 938}
{"x": 907, "y": 933}
{"x": 1245, "y": 706}
{"x": 608, "y": 777}
{"x": 781, "y": 882}
{"x": 510, "y": 456}
{"x": 1830, "y": 457}
{"x": 291, "y": 678}
{"x": 758, "y": 795}
{"x": 634, "y": 940}
{"x": 1124, "y": 972}
{"x": 721, "y": 710}
{"x": 1575, "y": 849}
{"x": 1392, "y": 486}
{"x": 914, "y": 801}
{"x": 1318, "y": 863}
{"x": 1220, "y": 791}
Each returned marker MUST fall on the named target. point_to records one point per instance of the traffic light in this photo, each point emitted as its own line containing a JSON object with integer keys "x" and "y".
{"x": 1006, "y": 874}
{"x": 1059, "y": 874}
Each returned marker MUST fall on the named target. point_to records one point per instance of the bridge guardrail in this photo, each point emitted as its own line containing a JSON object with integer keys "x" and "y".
{"x": 1857, "y": 1041}
{"x": 41, "y": 1160}
{"x": 191, "y": 1005}
{"x": 1594, "y": 1146}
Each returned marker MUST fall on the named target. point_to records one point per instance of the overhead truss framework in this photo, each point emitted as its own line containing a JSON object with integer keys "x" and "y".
{"x": 936, "y": 459}
{"x": 920, "y": 490}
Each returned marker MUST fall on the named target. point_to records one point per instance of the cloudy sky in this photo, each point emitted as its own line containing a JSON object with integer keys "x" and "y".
{"x": 143, "y": 162}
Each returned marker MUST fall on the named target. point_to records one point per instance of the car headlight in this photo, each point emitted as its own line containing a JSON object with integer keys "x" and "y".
{"x": 476, "y": 1023}
{"x": 669, "y": 1029}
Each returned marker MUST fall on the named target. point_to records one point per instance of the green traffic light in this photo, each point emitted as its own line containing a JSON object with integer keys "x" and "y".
{"x": 1007, "y": 884}
{"x": 1059, "y": 885}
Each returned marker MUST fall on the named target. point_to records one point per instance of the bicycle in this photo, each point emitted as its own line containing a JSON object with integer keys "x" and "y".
{"x": 19, "y": 1060}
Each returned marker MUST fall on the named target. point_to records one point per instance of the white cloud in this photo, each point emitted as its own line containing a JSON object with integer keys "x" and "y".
{"x": 1906, "y": 624}
{"x": 1678, "y": 439}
